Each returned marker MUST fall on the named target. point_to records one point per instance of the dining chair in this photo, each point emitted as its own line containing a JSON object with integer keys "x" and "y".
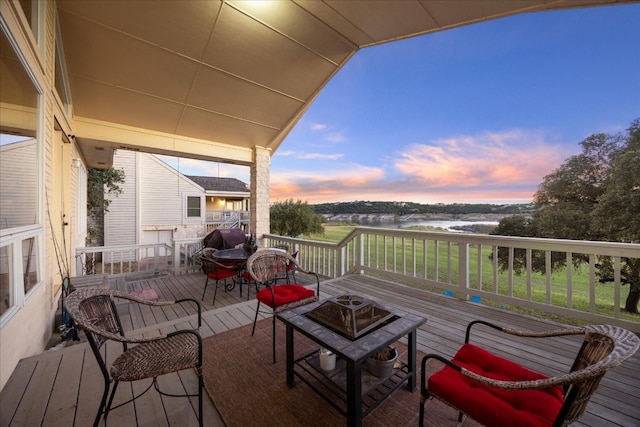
{"x": 271, "y": 268}
{"x": 95, "y": 311}
{"x": 215, "y": 271}
{"x": 495, "y": 391}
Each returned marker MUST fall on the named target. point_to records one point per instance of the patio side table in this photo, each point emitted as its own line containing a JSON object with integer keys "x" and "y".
{"x": 349, "y": 382}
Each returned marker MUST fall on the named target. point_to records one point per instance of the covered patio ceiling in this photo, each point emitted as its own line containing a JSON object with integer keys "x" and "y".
{"x": 212, "y": 79}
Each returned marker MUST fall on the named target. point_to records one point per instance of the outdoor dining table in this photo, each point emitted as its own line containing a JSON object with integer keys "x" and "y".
{"x": 234, "y": 255}
{"x": 237, "y": 255}
{"x": 234, "y": 259}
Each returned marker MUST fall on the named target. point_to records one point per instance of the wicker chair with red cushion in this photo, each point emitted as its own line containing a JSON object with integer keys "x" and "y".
{"x": 498, "y": 392}
{"x": 271, "y": 268}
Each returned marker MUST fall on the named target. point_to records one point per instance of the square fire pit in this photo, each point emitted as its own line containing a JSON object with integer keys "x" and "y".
{"x": 350, "y": 315}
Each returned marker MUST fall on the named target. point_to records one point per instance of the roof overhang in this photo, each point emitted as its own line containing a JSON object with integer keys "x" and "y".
{"x": 214, "y": 79}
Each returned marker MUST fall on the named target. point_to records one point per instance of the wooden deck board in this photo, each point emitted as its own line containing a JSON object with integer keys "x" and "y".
{"x": 64, "y": 394}
{"x": 44, "y": 389}
{"x": 91, "y": 386}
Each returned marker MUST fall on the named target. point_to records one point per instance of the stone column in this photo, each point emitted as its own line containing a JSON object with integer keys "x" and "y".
{"x": 260, "y": 193}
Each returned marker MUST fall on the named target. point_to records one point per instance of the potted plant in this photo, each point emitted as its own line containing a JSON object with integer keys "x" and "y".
{"x": 381, "y": 363}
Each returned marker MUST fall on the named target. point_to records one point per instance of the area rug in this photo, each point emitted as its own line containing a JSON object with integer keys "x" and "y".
{"x": 248, "y": 389}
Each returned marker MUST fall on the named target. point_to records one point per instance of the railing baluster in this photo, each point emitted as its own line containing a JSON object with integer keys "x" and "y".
{"x": 529, "y": 275}
{"x": 617, "y": 282}
{"x": 592, "y": 283}
{"x": 569, "y": 289}
{"x": 510, "y": 281}
{"x": 547, "y": 267}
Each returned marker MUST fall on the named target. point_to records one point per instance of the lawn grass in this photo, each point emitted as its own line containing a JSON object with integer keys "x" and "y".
{"x": 399, "y": 255}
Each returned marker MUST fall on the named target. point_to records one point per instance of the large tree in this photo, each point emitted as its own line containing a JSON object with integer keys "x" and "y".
{"x": 616, "y": 216}
{"x": 294, "y": 218}
{"x": 594, "y": 195}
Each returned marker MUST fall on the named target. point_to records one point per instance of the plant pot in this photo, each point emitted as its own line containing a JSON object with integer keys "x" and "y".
{"x": 381, "y": 363}
{"x": 327, "y": 360}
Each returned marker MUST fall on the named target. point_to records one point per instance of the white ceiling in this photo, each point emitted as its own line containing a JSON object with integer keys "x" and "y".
{"x": 206, "y": 75}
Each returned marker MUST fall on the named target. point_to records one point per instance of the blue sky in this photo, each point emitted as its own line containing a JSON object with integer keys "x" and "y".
{"x": 478, "y": 114}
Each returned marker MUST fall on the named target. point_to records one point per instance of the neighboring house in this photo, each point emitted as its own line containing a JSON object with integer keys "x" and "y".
{"x": 227, "y": 201}
{"x": 158, "y": 203}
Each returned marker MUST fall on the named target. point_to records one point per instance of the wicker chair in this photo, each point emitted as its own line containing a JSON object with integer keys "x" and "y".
{"x": 216, "y": 271}
{"x": 94, "y": 310}
{"x": 497, "y": 392}
{"x": 271, "y": 268}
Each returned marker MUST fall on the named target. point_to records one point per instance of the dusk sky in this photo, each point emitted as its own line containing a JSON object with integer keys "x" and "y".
{"x": 478, "y": 114}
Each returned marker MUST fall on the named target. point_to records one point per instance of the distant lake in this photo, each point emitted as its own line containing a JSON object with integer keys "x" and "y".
{"x": 445, "y": 225}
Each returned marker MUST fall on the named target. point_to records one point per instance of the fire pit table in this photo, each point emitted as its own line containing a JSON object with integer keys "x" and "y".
{"x": 353, "y": 328}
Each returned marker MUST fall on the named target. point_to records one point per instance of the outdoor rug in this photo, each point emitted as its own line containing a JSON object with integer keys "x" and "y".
{"x": 247, "y": 389}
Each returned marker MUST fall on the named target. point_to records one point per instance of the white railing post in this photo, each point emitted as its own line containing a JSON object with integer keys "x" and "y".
{"x": 80, "y": 263}
{"x": 360, "y": 251}
{"x": 176, "y": 256}
{"x": 340, "y": 255}
{"x": 156, "y": 259}
{"x": 463, "y": 268}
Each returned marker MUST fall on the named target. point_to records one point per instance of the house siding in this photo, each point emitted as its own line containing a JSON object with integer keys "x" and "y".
{"x": 14, "y": 183}
{"x": 120, "y": 222}
{"x": 152, "y": 206}
{"x": 161, "y": 193}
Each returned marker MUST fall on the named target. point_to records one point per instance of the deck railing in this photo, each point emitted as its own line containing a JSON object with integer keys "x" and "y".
{"x": 227, "y": 219}
{"x": 155, "y": 258}
{"x": 466, "y": 266}
{"x": 461, "y": 265}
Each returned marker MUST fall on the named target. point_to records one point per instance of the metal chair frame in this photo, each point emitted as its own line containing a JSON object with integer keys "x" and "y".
{"x": 269, "y": 267}
{"x": 95, "y": 311}
{"x": 215, "y": 270}
{"x": 604, "y": 347}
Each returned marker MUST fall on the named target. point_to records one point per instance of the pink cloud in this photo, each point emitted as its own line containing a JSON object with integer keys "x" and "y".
{"x": 494, "y": 167}
{"x": 488, "y": 160}
{"x": 324, "y": 185}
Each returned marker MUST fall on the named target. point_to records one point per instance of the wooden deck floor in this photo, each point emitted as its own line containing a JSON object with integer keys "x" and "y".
{"x": 63, "y": 387}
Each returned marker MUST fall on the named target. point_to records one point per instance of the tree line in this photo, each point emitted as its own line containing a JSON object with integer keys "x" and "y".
{"x": 407, "y": 208}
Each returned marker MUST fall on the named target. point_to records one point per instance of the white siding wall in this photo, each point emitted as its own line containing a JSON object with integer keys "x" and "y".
{"x": 160, "y": 193}
{"x": 151, "y": 208}
{"x": 120, "y": 223}
{"x": 15, "y": 184}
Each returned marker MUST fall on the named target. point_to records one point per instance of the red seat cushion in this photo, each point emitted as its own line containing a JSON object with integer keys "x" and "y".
{"x": 493, "y": 406}
{"x": 284, "y": 294}
{"x": 221, "y": 274}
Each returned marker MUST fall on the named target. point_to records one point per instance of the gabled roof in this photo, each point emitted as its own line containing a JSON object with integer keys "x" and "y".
{"x": 216, "y": 185}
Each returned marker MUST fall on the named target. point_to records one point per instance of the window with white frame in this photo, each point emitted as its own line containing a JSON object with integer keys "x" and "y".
{"x": 194, "y": 206}
{"x": 21, "y": 230}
